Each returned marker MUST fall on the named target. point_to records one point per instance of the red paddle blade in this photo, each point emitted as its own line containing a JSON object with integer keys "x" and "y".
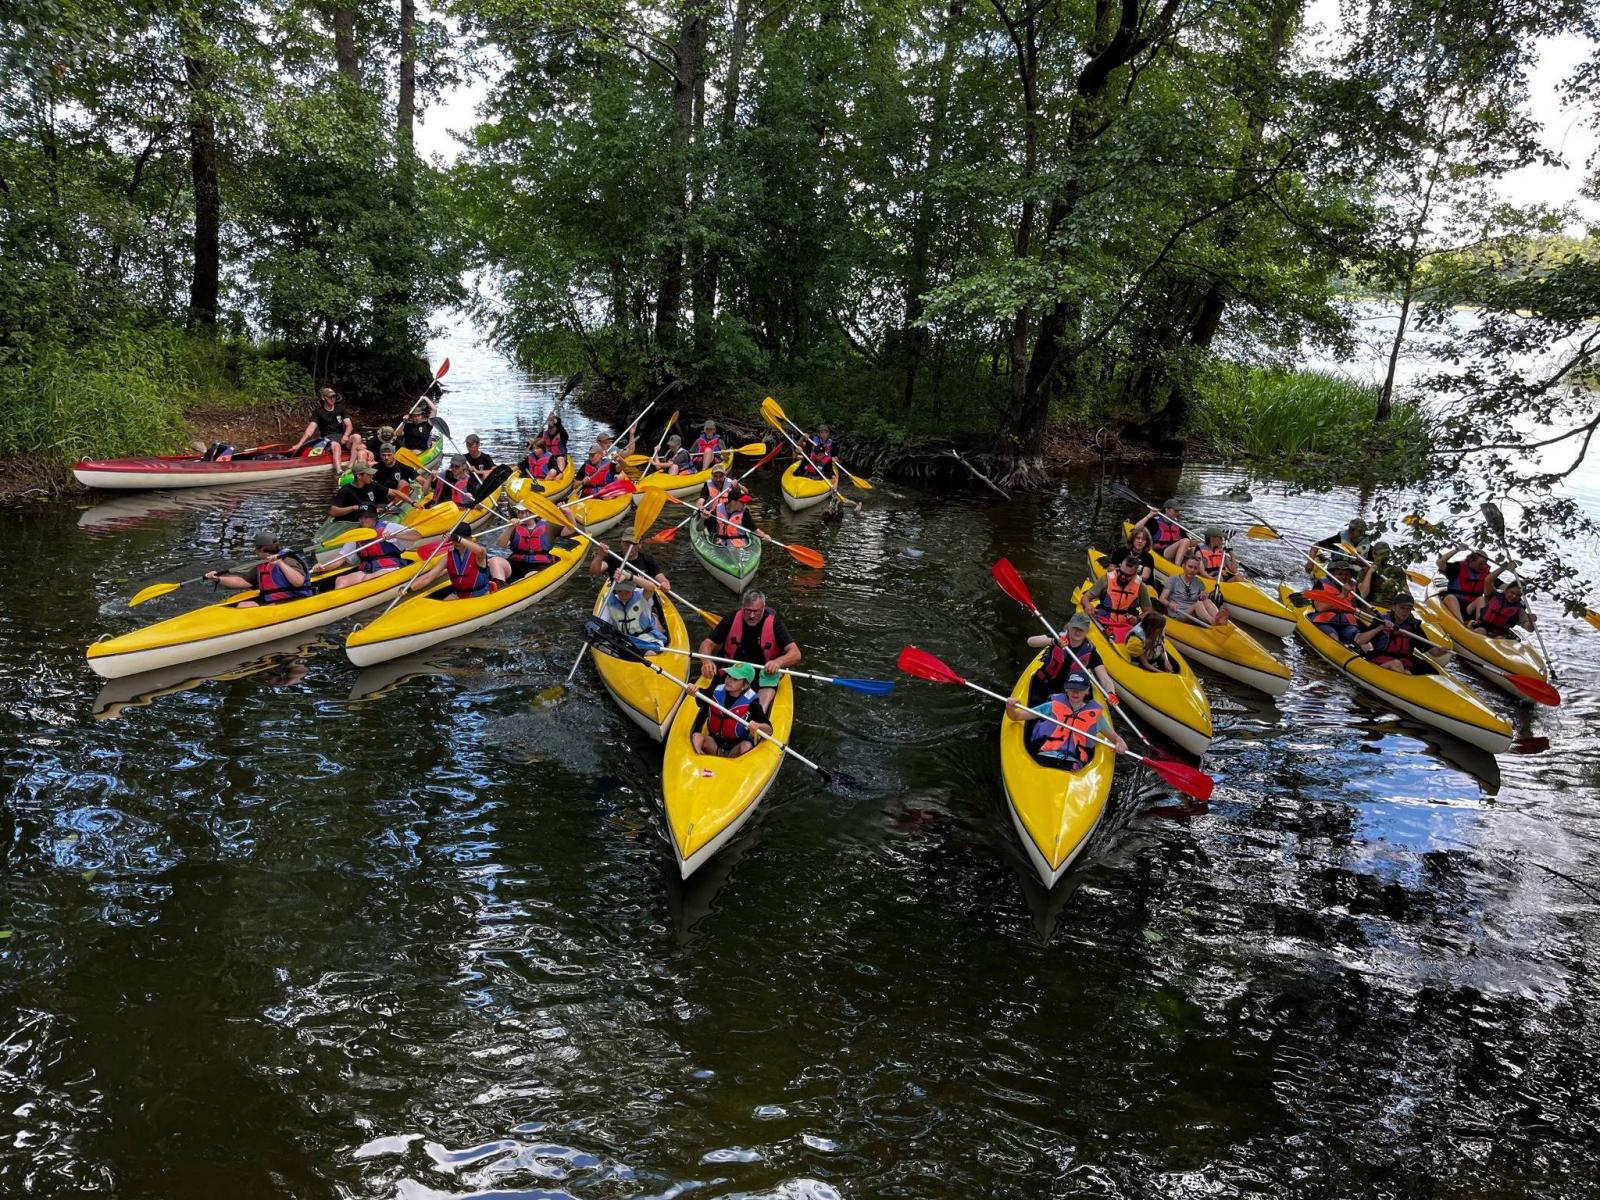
{"x": 807, "y": 556}
{"x": 617, "y": 487}
{"x": 666, "y": 535}
{"x": 1535, "y": 689}
{"x": 1191, "y": 781}
{"x": 925, "y": 666}
{"x": 771, "y": 454}
{"x": 443, "y": 367}
{"x": 1011, "y": 583}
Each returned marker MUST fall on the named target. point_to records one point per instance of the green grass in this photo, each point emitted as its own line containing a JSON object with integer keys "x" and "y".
{"x": 126, "y": 392}
{"x": 1294, "y": 419}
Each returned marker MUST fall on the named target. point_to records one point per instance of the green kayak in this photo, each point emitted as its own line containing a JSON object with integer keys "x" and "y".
{"x": 729, "y": 565}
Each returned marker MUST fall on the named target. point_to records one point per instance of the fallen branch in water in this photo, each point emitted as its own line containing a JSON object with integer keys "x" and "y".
{"x": 993, "y": 486}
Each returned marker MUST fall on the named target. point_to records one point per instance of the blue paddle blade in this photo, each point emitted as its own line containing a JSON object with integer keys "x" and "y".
{"x": 872, "y": 687}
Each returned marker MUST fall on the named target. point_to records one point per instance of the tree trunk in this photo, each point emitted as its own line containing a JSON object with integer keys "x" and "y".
{"x": 918, "y": 278}
{"x": 205, "y": 282}
{"x": 406, "y": 106}
{"x": 728, "y": 123}
{"x": 344, "y": 43}
{"x": 687, "y": 56}
{"x": 1386, "y": 394}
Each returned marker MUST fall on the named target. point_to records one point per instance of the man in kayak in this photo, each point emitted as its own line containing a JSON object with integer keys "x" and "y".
{"x": 1119, "y": 599}
{"x": 636, "y": 558}
{"x": 478, "y": 462}
{"x": 1062, "y": 728}
{"x": 717, "y": 489}
{"x": 1384, "y": 581}
{"x": 1188, "y": 595}
{"x": 630, "y": 606}
{"x": 416, "y": 431}
{"x": 1353, "y": 535}
{"x": 331, "y": 424}
{"x": 723, "y": 736}
{"x": 708, "y": 446}
{"x": 373, "y": 558}
{"x": 819, "y": 451}
{"x": 1466, "y": 579}
{"x": 1333, "y": 602}
{"x": 472, "y": 570}
{"x": 359, "y": 492}
{"x": 1393, "y": 642}
{"x": 1166, "y": 535}
{"x": 530, "y": 542}
{"x": 755, "y": 633}
{"x": 392, "y": 478}
{"x": 1070, "y": 651}
{"x": 279, "y": 575}
{"x": 595, "y": 473}
{"x": 1495, "y": 614}
{"x": 675, "y": 459}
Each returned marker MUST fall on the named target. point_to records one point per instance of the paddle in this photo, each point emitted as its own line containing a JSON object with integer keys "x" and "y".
{"x": 610, "y": 640}
{"x": 772, "y": 407}
{"x": 1497, "y": 522}
{"x": 439, "y": 548}
{"x": 667, "y": 535}
{"x": 1011, "y": 583}
{"x": 1264, "y": 532}
{"x": 660, "y": 441}
{"x": 801, "y": 554}
{"x": 772, "y": 412}
{"x": 644, "y": 516}
{"x": 1126, "y": 493}
{"x": 870, "y": 687}
{"x": 152, "y": 591}
{"x": 1191, "y": 781}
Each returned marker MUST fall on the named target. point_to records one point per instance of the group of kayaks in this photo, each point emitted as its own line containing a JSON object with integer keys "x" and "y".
{"x": 1055, "y": 811}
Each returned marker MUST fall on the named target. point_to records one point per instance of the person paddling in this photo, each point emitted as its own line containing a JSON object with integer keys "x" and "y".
{"x": 1393, "y": 642}
{"x": 1119, "y": 598}
{"x": 1332, "y": 602}
{"x": 472, "y": 570}
{"x": 595, "y": 473}
{"x": 1466, "y": 579}
{"x": 1070, "y": 651}
{"x": 708, "y": 446}
{"x": 376, "y": 557}
{"x": 416, "y": 431}
{"x": 1217, "y": 562}
{"x": 478, "y": 461}
{"x": 1065, "y": 740}
{"x": 1499, "y": 612}
{"x": 392, "y": 478}
{"x": 530, "y": 542}
{"x": 755, "y": 634}
{"x": 1188, "y": 595}
{"x": 731, "y": 523}
{"x": 455, "y": 485}
{"x": 817, "y": 463}
{"x": 1353, "y": 535}
{"x": 630, "y": 606}
{"x": 1166, "y": 535}
{"x": 675, "y": 459}
{"x": 279, "y": 575}
{"x": 719, "y": 735}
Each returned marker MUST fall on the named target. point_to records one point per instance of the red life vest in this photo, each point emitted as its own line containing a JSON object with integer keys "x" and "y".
{"x": 703, "y": 443}
{"x": 379, "y": 555}
{"x": 729, "y": 731}
{"x": 1164, "y": 532}
{"x": 466, "y": 576}
{"x": 1119, "y": 602}
{"x": 540, "y": 465}
{"x": 274, "y": 585}
{"x": 1059, "y": 659}
{"x": 457, "y": 491}
{"x": 1468, "y": 584}
{"x": 1398, "y": 644}
{"x": 767, "y": 634}
{"x": 1499, "y": 618}
{"x": 1071, "y": 738}
{"x": 730, "y": 531}
{"x": 597, "y": 475}
{"x": 532, "y": 545}
{"x": 1213, "y": 560}
{"x": 820, "y": 452}
{"x": 556, "y": 439}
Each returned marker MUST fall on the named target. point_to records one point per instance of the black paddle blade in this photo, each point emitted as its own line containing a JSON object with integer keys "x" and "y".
{"x": 438, "y": 423}
{"x": 608, "y": 639}
{"x": 1497, "y": 521}
{"x": 566, "y": 389}
{"x": 1123, "y": 492}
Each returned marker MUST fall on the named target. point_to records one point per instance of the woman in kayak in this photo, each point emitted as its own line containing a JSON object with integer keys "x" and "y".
{"x": 541, "y": 462}
{"x": 1071, "y": 651}
{"x": 1142, "y": 548}
{"x": 1166, "y": 535}
{"x": 1216, "y": 560}
{"x": 1188, "y": 595}
{"x": 1393, "y": 643}
{"x": 455, "y": 485}
{"x": 1153, "y": 654}
{"x": 373, "y": 558}
{"x": 556, "y": 436}
{"x": 1498, "y": 612}
{"x": 279, "y": 575}
{"x": 1062, "y": 728}
{"x": 723, "y": 736}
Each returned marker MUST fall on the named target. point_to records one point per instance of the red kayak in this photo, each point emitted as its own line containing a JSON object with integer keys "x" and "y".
{"x": 194, "y": 470}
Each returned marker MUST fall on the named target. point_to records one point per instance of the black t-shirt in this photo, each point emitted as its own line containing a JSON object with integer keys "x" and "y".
{"x": 1147, "y": 564}
{"x": 641, "y": 561}
{"x": 480, "y": 462}
{"x": 329, "y": 424}
{"x": 756, "y": 715}
{"x": 750, "y": 647}
{"x": 416, "y": 435}
{"x": 392, "y": 477}
{"x": 353, "y": 493}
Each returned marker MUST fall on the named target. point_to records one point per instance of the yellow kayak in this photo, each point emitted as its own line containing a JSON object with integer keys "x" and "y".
{"x": 1431, "y": 629}
{"x": 557, "y": 486}
{"x": 684, "y": 487}
{"x": 1479, "y": 650}
{"x": 801, "y": 492}
{"x": 708, "y": 798}
{"x": 1226, "y": 649}
{"x": 435, "y": 616}
{"x": 224, "y": 627}
{"x": 1054, "y": 810}
{"x": 1175, "y": 704}
{"x": 1247, "y": 602}
{"x": 594, "y": 516}
{"x": 1437, "y": 698}
{"x": 649, "y": 700}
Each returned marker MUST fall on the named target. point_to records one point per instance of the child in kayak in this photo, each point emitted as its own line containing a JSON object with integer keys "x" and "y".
{"x": 1060, "y": 728}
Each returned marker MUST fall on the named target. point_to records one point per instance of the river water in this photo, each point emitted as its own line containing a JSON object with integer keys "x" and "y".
{"x": 298, "y": 930}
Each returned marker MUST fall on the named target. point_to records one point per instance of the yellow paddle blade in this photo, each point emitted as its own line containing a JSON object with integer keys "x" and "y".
{"x": 408, "y": 458}
{"x": 349, "y": 536}
{"x": 773, "y": 411}
{"x": 539, "y": 503}
{"x": 1593, "y": 618}
{"x": 673, "y": 419}
{"x": 636, "y": 460}
{"x": 753, "y": 450}
{"x": 1263, "y": 533}
{"x": 650, "y": 505}
{"x": 1418, "y": 577}
{"x": 857, "y": 481}
{"x": 1417, "y": 521}
{"x": 151, "y": 592}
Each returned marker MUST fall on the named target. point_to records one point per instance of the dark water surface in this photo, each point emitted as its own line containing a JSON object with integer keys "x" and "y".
{"x": 298, "y": 930}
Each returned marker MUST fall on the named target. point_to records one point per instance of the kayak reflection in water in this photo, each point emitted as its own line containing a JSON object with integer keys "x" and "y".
{"x": 1062, "y": 728}
{"x": 280, "y": 575}
{"x": 729, "y": 736}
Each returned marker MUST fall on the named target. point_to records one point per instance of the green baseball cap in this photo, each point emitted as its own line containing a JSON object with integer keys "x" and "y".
{"x": 742, "y": 671}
